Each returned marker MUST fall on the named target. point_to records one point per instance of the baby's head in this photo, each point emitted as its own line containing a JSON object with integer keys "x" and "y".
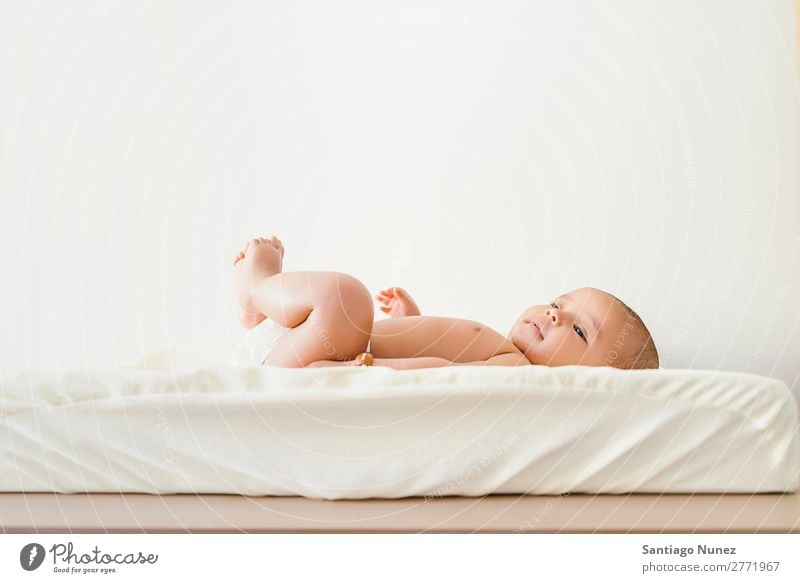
{"x": 586, "y": 326}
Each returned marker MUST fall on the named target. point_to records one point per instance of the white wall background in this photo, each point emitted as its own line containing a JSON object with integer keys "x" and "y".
{"x": 484, "y": 155}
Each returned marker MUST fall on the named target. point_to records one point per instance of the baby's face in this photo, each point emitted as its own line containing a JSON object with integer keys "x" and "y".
{"x": 580, "y": 327}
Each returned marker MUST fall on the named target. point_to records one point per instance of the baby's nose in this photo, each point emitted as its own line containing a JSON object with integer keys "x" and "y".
{"x": 553, "y": 314}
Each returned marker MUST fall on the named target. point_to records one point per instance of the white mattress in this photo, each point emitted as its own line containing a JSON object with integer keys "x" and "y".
{"x": 376, "y": 432}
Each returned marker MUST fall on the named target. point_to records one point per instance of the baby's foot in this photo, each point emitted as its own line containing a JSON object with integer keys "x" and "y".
{"x": 259, "y": 259}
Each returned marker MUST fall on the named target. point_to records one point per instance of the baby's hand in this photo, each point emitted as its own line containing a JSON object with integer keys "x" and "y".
{"x": 396, "y": 302}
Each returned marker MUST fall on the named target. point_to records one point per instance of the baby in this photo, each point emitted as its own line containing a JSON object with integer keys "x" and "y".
{"x": 325, "y": 318}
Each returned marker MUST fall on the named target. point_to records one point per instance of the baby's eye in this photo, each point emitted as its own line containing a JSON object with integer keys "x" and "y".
{"x": 553, "y": 305}
{"x": 579, "y": 331}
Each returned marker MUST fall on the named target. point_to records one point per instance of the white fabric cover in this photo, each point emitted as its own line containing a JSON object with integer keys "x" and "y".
{"x": 377, "y": 432}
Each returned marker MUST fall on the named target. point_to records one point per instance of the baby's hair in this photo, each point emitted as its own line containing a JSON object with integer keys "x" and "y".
{"x": 640, "y": 350}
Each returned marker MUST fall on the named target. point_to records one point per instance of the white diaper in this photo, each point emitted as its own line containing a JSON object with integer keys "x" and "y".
{"x": 257, "y": 343}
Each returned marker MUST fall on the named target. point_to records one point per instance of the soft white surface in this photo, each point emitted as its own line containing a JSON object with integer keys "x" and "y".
{"x": 377, "y": 432}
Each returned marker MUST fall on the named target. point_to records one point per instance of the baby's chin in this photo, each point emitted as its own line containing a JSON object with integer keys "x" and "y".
{"x": 523, "y": 346}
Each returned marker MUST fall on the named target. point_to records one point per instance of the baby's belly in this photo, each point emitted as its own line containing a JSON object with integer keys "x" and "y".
{"x": 451, "y": 338}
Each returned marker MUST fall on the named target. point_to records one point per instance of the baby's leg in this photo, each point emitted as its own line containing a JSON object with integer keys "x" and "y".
{"x": 329, "y": 314}
{"x": 270, "y": 266}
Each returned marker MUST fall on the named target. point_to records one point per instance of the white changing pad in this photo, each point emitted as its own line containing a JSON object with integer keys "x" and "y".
{"x": 377, "y": 432}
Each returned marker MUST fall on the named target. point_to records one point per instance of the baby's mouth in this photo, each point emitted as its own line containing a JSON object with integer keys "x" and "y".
{"x": 538, "y": 330}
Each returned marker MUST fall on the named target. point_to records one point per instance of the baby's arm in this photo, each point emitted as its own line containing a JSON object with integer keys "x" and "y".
{"x": 398, "y": 363}
{"x": 507, "y": 359}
